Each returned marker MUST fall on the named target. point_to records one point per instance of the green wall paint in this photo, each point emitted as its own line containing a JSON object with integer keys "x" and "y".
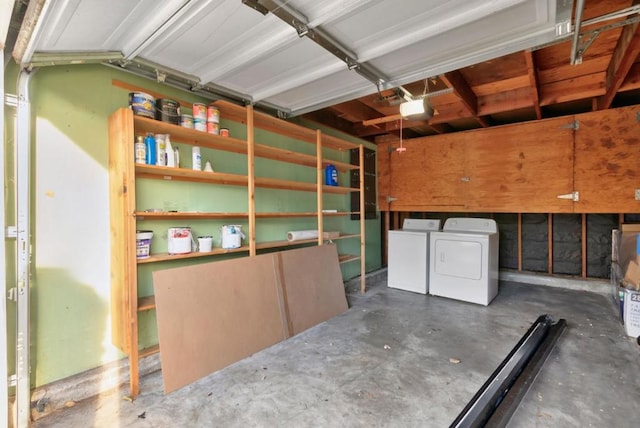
{"x": 70, "y": 288}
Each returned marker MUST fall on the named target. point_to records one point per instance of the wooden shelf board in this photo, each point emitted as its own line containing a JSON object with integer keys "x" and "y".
{"x": 339, "y": 189}
{"x": 340, "y": 213}
{"x": 185, "y": 174}
{"x": 349, "y": 236}
{"x": 276, "y": 244}
{"x": 148, "y": 351}
{"x": 285, "y": 214}
{"x": 143, "y": 215}
{"x": 340, "y": 166}
{"x": 269, "y": 123}
{"x": 144, "y": 125}
{"x": 146, "y": 303}
{"x": 346, "y": 258}
{"x": 189, "y": 136}
{"x": 162, "y": 257}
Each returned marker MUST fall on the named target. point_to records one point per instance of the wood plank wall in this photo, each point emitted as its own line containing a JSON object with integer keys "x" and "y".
{"x": 520, "y": 169}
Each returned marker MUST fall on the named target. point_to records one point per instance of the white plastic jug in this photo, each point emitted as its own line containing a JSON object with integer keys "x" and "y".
{"x": 231, "y": 236}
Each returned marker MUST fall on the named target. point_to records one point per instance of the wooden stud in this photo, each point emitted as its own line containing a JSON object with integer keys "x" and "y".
{"x": 584, "y": 245}
{"x": 387, "y": 223}
{"x": 550, "y": 243}
{"x": 519, "y": 242}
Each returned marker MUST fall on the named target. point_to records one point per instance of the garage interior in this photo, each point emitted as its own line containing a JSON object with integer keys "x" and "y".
{"x": 530, "y": 120}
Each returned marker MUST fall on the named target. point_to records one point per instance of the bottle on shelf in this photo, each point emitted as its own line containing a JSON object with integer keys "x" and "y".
{"x": 161, "y": 153}
{"x": 140, "y": 150}
{"x": 331, "y": 175}
{"x": 196, "y": 159}
{"x": 169, "y": 153}
{"x": 150, "y": 145}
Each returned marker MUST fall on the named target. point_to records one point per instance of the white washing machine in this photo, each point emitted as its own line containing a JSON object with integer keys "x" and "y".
{"x": 464, "y": 260}
{"x": 408, "y": 258}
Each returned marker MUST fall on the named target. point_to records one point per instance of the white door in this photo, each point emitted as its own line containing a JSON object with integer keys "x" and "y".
{"x": 407, "y": 261}
{"x": 461, "y": 259}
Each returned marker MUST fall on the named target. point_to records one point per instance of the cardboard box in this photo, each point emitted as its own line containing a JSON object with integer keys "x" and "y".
{"x": 632, "y": 275}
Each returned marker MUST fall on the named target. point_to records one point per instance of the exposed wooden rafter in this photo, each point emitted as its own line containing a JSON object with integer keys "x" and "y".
{"x": 533, "y": 82}
{"x": 461, "y": 88}
{"x": 625, "y": 54}
{"x": 520, "y": 86}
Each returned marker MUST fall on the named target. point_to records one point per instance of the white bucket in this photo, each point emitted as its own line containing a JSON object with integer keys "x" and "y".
{"x": 143, "y": 243}
{"x": 231, "y": 236}
{"x": 205, "y": 243}
{"x": 179, "y": 240}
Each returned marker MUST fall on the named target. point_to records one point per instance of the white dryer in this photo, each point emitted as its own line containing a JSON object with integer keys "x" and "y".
{"x": 464, "y": 260}
{"x": 408, "y": 255}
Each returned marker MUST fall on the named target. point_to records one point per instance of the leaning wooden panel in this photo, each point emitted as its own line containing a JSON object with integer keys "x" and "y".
{"x": 313, "y": 287}
{"x": 520, "y": 168}
{"x": 427, "y": 176}
{"x": 214, "y": 314}
{"x": 607, "y": 171}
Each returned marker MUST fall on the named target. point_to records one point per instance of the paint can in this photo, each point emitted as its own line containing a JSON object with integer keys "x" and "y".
{"x": 205, "y": 243}
{"x": 213, "y": 114}
{"x": 168, "y": 111}
{"x": 186, "y": 121}
{"x": 199, "y": 125}
{"x": 224, "y": 132}
{"x": 213, "y": 128}
{"x": 143, "y": 243}
{"x": 179, "y": 240}
{"x": 142, "y": 104}
{"x": 140, "y": 150}
{"x": 199, "y": 111}
{"x": 231, "y": 236}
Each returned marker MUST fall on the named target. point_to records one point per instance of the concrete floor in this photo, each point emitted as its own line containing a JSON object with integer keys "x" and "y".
{"x": 391, "y": 361}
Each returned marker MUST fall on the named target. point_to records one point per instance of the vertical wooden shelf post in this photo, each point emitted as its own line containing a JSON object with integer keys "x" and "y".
{"x": 320, "y": 181}
{"x": 251, "y": 181}
{"x": 124, "y": 274}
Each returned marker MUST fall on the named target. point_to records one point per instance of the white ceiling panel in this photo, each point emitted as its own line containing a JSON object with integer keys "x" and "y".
{"x": 299, "y": 63}
{"x": 338, "y": 87}
{"x": 260, "y": 57}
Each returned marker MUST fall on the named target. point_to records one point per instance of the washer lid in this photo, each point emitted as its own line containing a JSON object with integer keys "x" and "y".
{"x": 420, "y": 224}
{"x": 466, "y": 224}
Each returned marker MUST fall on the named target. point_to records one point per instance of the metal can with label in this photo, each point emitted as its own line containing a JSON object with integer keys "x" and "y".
{"x": 140, "y": 150}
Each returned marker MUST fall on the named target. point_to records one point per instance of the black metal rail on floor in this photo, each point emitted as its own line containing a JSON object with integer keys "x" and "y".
{"x": 496, "y": 401}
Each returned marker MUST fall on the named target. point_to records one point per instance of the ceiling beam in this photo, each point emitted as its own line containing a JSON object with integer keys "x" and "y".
{"x": 533, "y": 82}
{"x": 461, "y": 88}
{"x": 624, "y": 55}
{"x": 325, "y": 117}
{"x": 354, "y": 111}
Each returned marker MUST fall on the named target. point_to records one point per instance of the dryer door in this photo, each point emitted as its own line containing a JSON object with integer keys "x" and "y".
{"x": 461, "y": 259}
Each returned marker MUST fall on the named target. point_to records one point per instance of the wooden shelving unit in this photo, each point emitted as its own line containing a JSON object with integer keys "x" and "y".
{"x": 124, "y": 173}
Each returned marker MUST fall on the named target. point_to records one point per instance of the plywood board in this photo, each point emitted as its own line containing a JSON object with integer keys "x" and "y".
{"x": 313, "y": 287}
{"x": 520, "y": 168}
{"x": 214, "y": 314}
{"x": 427, "y": 176}
{"x": 607, "y": 171}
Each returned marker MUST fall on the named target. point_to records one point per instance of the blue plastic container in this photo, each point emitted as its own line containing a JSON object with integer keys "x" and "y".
{"x": 331, "y": 175}
{"x": 150, "y": 144}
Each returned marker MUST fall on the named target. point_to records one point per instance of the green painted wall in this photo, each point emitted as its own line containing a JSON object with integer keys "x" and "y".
{"x": 70, "y": 288}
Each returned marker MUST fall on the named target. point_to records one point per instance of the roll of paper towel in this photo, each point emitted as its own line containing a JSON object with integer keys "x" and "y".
{"x": 300, "y": 235}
